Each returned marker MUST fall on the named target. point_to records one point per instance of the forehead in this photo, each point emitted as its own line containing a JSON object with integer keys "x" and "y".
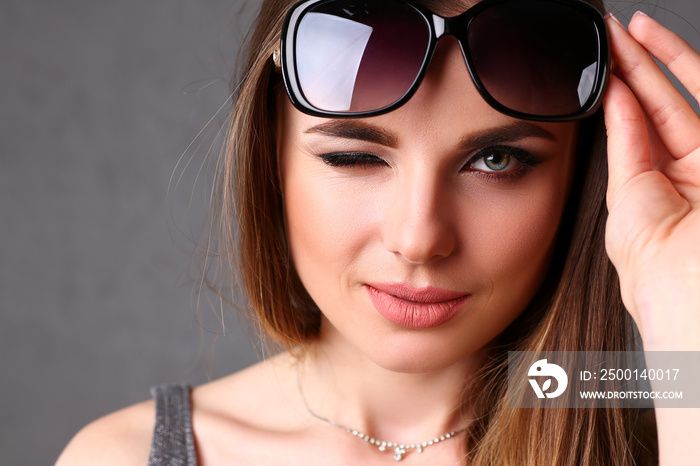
{"x": 448, "y": 7}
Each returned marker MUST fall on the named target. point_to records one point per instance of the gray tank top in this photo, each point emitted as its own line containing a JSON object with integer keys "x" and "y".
{"x": 173, "y": 441}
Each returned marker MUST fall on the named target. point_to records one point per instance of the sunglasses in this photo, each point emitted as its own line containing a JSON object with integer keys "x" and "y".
{"x": 545, "y": 60}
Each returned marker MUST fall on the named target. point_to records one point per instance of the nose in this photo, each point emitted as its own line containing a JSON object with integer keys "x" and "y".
{"x": 417, "y": 223}
{"x": 421, "y": 221}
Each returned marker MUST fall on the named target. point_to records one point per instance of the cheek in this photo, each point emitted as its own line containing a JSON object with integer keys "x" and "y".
{"x": 327, "y": 224}
{"x": 512, "y": 233}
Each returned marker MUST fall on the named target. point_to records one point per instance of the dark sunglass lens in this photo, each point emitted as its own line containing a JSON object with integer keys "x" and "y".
{"x": 537, "y": 57}
{"x": 357, "y": 56}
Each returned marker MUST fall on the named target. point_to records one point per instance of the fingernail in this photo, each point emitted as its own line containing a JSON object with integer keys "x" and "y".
{"x": 640, "y": 13}
{"x": 614, "y": 18}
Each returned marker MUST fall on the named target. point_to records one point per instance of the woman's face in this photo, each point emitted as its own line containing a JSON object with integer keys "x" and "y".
{"x": 421, "y": 234}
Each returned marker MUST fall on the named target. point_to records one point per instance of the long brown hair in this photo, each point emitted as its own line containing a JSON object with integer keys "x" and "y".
{"x": 578, "y": 307}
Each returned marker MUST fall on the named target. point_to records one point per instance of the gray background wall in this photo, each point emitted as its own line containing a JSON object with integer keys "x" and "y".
{"x": 98, "y": 102}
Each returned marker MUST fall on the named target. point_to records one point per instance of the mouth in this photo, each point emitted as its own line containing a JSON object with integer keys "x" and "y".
{"x": 412, "y": 307}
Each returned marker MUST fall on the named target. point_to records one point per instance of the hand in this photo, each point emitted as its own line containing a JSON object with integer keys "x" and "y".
{"x": 653, "y": 230}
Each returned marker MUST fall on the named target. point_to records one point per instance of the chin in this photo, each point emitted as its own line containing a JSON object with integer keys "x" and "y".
{"x": 422, "y": 352}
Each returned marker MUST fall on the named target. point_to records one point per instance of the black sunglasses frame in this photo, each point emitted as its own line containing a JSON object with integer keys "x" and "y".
{"x": 440, "y": 26}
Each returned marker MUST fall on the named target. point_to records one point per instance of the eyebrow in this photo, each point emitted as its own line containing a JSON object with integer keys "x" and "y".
{"x": 354, "y": 129}
{"x": 508, "y": 133}
{"x": 363, "y": 131}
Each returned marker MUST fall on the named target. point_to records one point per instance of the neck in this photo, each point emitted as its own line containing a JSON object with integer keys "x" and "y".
{"x": 348, "y": 388}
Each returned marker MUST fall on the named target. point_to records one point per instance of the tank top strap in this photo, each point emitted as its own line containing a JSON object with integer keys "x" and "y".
{"x": 173, "y": 440}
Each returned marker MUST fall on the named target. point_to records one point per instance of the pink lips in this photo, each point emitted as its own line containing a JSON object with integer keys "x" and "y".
{"x": 415, "y": 307}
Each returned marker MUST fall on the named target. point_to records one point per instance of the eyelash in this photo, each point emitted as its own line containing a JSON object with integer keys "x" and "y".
{"x": 351, "y": 159}
{"x": 523, "y": 157}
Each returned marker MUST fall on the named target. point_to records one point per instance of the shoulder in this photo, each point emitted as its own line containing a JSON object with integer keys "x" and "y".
{"x": 121, "y": 438}
{"x": 230, "y": 417}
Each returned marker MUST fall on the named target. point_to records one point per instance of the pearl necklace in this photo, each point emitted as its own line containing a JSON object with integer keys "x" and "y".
{"x": 400, "y": 449}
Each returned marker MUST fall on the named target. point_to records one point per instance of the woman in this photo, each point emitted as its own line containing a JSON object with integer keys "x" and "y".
{"x": 399, "y": 254}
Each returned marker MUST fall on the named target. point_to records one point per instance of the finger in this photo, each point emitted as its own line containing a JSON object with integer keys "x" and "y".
{"x": 670, "y": 49}
{"x": 669, "y": 113}
{"x": 628, "y": 141}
